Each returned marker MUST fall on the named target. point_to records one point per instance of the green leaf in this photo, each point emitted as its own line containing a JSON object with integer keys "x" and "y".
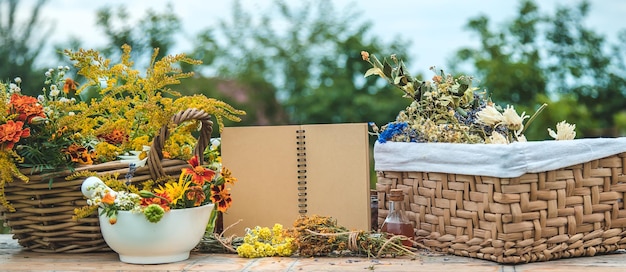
{"x": 387, "y": 69}
{"x": 374, "y": 71}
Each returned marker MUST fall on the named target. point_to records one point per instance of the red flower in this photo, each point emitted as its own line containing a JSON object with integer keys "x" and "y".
{"x": 199, "y": 174}
{"x": 27, "y": 107}
{"x": 221, "y": 197}
{"x": 162, "y": 200}
{"x": 12, "y": 132}
{"x": 196, "y": 194}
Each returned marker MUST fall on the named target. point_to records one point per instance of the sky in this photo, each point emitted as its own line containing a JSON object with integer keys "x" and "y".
{"x": 435, "y": 27}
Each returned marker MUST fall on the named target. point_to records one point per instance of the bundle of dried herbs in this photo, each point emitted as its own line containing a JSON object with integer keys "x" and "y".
{"x": 321, "y": 236}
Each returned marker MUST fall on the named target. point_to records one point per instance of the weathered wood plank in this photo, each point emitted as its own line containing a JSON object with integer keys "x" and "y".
{"x": 12, "y": 258}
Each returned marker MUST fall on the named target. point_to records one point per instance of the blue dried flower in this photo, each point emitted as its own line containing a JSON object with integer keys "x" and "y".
{"x": 391, "y": 130}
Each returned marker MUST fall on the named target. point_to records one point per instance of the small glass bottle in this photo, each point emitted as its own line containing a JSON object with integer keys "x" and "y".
{"x": 397, "y": 222}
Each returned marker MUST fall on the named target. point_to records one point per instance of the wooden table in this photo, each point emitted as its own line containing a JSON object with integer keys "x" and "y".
{"x": 14, "y": 258}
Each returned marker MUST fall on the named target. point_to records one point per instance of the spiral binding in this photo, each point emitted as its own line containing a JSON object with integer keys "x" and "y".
{"x": 301, "y": 154}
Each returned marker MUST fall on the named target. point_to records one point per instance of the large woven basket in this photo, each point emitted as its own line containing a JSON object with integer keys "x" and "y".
{"x": 578, "y": 210}
{"x": 45, "y": 205}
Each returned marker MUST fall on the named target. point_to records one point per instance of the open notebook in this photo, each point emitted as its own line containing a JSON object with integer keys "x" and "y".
{"x": 287, "y": 171}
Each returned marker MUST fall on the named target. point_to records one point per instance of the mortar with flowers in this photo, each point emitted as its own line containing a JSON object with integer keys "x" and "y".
{"x": 119, "y": 124}
{"x": 477, "y": 187}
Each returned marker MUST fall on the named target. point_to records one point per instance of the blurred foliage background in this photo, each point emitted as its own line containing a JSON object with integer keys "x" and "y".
{"x": 301, "y": 63}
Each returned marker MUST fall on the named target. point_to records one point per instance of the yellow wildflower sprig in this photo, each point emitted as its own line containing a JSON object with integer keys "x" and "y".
{"x": 265, "y": 242}
{"x": 220, "y": 109}
{"x": 121, "y": 79}
{"x": 8, "y": 171}
{"x": 162, "y": 73}
{"x": 139, "y": 101}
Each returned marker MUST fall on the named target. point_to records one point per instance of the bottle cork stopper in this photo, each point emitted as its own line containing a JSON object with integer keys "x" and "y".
{"x": 396, "y": 195}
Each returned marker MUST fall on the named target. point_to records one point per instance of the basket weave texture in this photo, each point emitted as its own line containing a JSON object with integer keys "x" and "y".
{"x": 574, "y": 211}
{"x": 45, "y": 205}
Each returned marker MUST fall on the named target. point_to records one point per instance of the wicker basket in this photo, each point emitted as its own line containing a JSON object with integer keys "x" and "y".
{"x": 573, "y": 211}
{"x": 45, "y": 205}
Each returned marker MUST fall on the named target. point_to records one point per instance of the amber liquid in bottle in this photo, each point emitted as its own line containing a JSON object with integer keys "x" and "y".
{"x": 405, "y": 229}
{"x": 397, "y": 223}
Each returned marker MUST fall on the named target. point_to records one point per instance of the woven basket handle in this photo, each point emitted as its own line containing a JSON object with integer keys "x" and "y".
{"x": 155, "y": 155}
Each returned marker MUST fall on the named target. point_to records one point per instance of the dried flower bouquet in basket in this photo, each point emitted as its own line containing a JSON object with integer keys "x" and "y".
{"x": 450, "y": 110}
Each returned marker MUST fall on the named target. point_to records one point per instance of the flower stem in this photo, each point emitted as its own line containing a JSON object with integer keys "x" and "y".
{"x": 532, "y": 118}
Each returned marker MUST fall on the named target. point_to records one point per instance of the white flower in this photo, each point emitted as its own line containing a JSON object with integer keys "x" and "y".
{"x": 497, "y": 138}
{"x": 490, "y": 116}
{"x": 48, "y": 74}
{"x": 18, "y": 80}
{"x": 512, "y": 120}
{"x": 564, "y": 131}
{"x": 54, "y": 91}
{"x": 215, "y": 143}
{"x": 41, "y": 98}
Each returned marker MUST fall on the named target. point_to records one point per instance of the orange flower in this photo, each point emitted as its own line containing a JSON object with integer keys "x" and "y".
{"x": 70, "y": 85}
{"x": 365, "y": 55}
{"x": 199, "y": 174}
{"x": 196, "y": 194}
{"x": 162, "y": 200}
{"x": 59, "y": 132}
{"x": 109, "y": 199}
{"x": 26, "y": 107}
{"x": 115, "y": 137}
{"x": 227, "y": 175}
{"x": 78, "y": 154}
{"x": 221, "y": 197}
{"x": 12, "y": 132}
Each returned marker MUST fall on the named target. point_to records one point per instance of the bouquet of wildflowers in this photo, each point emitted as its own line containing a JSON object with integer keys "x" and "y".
{"x": 30, "y": 134}
{"x": 451, "y": 110}
{"x": 196, "y": 186}
{"x": 115, "y": 113}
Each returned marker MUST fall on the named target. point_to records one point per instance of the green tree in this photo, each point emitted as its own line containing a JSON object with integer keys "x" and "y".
{"x": 20, "y": 46}
{"x": 584, "y": 65}
{"x": 507, "y": 61}
{"x": 153, "y": 30}
{"x": 552, "y": 58}
{"x": 310, "y": 56}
